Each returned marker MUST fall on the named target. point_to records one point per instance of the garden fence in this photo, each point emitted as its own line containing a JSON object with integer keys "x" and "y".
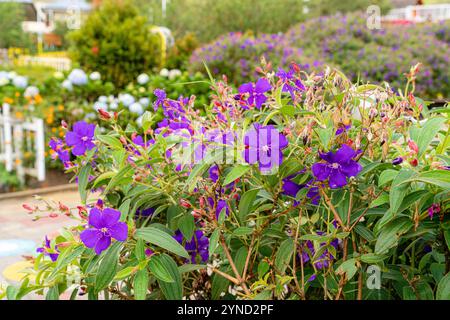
{"x": 19, "y": 137}
{"x": 434, "y": 13}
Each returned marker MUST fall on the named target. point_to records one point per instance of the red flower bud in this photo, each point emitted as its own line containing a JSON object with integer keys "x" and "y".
{"x": 104, "y": 115}
{"x": 29, "y": 208}
{"x": 53, "y": 215}
{"x": 414, "y": 162}
{"x": 184, "y": 203}
{"x": 413, "y": 146}
{"x": 64, "y": 124}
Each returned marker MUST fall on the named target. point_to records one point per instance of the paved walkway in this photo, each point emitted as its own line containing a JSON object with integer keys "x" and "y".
{"x": 20, "y": 236}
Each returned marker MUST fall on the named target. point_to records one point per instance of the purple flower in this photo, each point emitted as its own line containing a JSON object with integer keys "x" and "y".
{"x": 81, "y": 138}
{"x": 47, "y": 250}
{"x": 160, "y": 97}
{"x": 338, "y": 167}
{"x": 343, "y": 129}
{"x": 199, "y": 245}
{"x": 324, "y": 260}
{"x": 290, "y": 83}
{"x": 435, "y": 208}
{"x": 290, "y": 188}
{"x": 220, "y": 205}
{"x": 264, "y": 145}
{"x": 105, "y": 225}
{"x": 397, "y": 161}
{"x": 256, "y": 92}
{"x": 58, "y": 146}
{"x": 214, "y": 173}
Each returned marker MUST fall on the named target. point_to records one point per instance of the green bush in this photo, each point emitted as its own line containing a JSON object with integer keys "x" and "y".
{"x": 12, "y": 35}
{"x": 117, "y": 42}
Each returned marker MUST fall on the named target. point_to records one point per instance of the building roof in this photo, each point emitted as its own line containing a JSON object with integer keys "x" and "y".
{"x": 63, "y": 5}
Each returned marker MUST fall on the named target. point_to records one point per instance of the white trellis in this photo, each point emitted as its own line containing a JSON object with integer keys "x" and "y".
{"x": 14, "y": 141}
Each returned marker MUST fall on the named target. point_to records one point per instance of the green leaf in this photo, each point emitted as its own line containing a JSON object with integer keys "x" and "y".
{"x": 52, "y": 293}
{"x": 440, "y": 178}
{"x": 161, "y": 239}
{"x": 186, "y": 225}
{"x": 425, "y": 135}
{"x": 443, "y": 289}
{"x": 124, "y": 273}
{"x": 83, "y": 180}
{"x": 242, "y": 231}
{"x": 387, "y": 176}
{"x": 399, "y": 189}
{"x": 66, "y": 257}
{"x": 284, "y": 254}
{"x": 141, "y": 284}
{"x": 118, "y": 179}
{"x": 146, "y": 120}
{"x": 158, "y": 268}
{"x": 263, "y": 268}
{"x": 108, "y": 266}
{"x": 235, "y": 173}
{"x": 348, "y": 267}
{"x": 246, "y": 203}
{"x": 171, "y": 290}
{"x": 390, "y": 234}
{"x": 191, "y": 267}
{"x": 111, "y": 141}
{"x": 372, "y": 258}
{"x": 214, "y": 241}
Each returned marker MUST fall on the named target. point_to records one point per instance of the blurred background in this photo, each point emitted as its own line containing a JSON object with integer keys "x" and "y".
{"x": 66, "y": 59}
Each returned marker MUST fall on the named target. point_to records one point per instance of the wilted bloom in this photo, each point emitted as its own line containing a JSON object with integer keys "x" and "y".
{"x": 338, "y": 167}
{"x": 47, "y": 250}
{"x": 105, "y": 225}
{"x": 264, "y": 145}
{"x": 198, "y": 246}
{"x": 256, "y": 92}
{"x": 435, "y": 208}
{"x": 81, "y": 138}
{"x": 77, "y": 77}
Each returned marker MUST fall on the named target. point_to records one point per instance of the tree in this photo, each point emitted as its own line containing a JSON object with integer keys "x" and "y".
{"x": 11, "y": 34}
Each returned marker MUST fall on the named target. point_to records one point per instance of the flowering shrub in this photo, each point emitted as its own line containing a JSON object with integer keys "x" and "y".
{"x": 378, "y": 55}
{"x": 291, "y": 187}
{"x": 99, "y": 44}
{"x": 237, "y": 55}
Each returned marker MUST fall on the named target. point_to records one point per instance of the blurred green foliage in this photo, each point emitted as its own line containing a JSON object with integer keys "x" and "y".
{"x": 116, "y": 41}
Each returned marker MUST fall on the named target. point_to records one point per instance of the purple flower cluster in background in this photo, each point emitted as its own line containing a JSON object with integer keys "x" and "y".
{"x": 197, "y": 246}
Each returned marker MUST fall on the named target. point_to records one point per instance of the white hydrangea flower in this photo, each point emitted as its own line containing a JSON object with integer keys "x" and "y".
{"x": 103, "y": 99}
{"x": 67, "y": 85}
{"x": 95, "y": 76}
{"x": 78, "y": 77}
{"x": 113, "y": 105}
{"x": 20, "y": 82}
{"x": 175, "y": 73}
{"x": 139, "y": 121}
{"x": 137, "y": 108}
{"x": 164, "y": 72}
{"x": 143, "y": 78}
{"x": 12, "y": 75}
{"x": 126, "y": 99}
{"x": 31, "y": 92}
{"x": 144, "y": 101}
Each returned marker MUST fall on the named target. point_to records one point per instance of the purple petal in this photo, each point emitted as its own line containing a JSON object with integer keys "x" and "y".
{"x": 110, "y": 217}
{"x": 246, "y": 88}
{"x": 321, "y": 171}
{"x": 79, "y": 150}
{"x": 102, "y": 244}
{"x": 351, "y": 168}
{"x": 72, "y": 139}
{"x": 337, "y": 179}
{"x": 96, "y": 218}
{"x": 119, "y": 231}
{"x": 259, "y": 100}
{"x": 262, "y": 85}
{"x": 344, "y": 154}
{"x": 90, "y": 237}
